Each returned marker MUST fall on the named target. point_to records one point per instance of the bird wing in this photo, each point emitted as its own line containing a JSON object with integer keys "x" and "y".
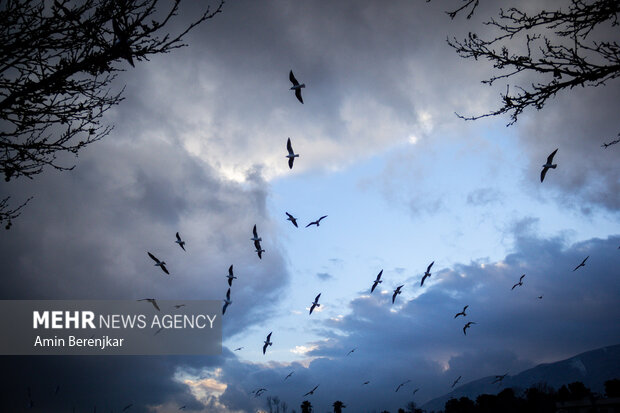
{"x": 298, "y": 95}
{"x": 228, "y": 294}
{"x": 324, "y": 216}
{"x": 224, "y": 307}
{"x": 423, "y": 278}
{"x": 429, "y": 267}
{"x": 294, "y": 81}
{"x": 289, "y": 147}
{"x": 465, "y": 308}
{"x": 379, "y": 275}
{"x": 521, "y": 278}
{"x": 154, "y": 258}
{"x": 254, "y": 232}
{"x": 316, "y": 300}
{"x": 269, "y": 337}
{"x": 374, "y": 285}
{"x": 550, "y": 157}
{"x": 394, "y": 295}
{"x": 310, "y": 224}
{"x": 230, "y": 270}
{"x": 178, "y": 237}
{"x": 164, "y": 269}
{"x": 264, "y": 348}
{"x": 290, "y": 163}
{"x": 513, "y": 287}
{"x": 289, "y": 215}
{"x": 155, "y": 304}
{"x": 230, "y": 281}
{"x": 543, "y": 173}
{"x": 312, "y": 308}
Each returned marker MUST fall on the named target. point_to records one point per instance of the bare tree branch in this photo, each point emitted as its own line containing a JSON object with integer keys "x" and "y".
{"x": 57, "y": 63}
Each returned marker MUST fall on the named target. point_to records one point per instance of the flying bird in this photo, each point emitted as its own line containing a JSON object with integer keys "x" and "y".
{"x": 127, "y": 407}
{"x": 315, "y": 303}
{"x": 376, "y": 282}
{"x": 289, "y": 375}
{"x": 227, "y": 302}
{"x": 258, "y": 249}
{"x": 296, "y": 86}
{"x": 396, "y": 292}
{"x": 230, "y": 276}
{"x": 311, "y": 392}
{"x": 180, "y": 242}
{"x": 255, "y": 236}
{"x": 427, "y": 273}
{"x": 238, "y": 348}
{"x": 548, "y": 165}
{"x": 498, "y": 379}
{"x": 520, "y": 283}
{"x": 540, "y": 297}
{"x": 456, "y": 381}
{"x": 583, "y": 263}
{"x": 267, "y": 343}
{"x": 260, "y": 392}
{"x": 179, "y": 306}
{"x": 316, "y": 222}
{"x": 467, "y": 326}
{"x": 352, "y": 351}
{"x": 401, "y": 385}
{"x": 462, "y": 312}
{"x": 291, "y": 154}
{"x": 158, "y": 263}
{"x": 416, "y": 390}
{"x": 152, "y": 301}
{"x": 364, "y": 383}
{"x": 292, "y": 219}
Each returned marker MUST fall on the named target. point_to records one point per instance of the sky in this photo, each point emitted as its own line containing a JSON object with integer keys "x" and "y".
{"x": 199, "y": 147}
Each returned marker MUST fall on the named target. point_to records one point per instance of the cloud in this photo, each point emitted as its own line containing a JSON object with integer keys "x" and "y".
{"x": 324, "y": 276}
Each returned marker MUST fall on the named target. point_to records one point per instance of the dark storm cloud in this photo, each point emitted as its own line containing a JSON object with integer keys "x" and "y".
{"x": 422, "y": 342}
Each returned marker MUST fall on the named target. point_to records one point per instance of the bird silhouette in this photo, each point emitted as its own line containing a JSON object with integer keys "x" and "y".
{"x": 152, "y": 301}
{"x": 315, "y": 303}
{"x": 456, "y": 381}
{"x": 467, "y": 326}
{"x": 291, "y": 154}
{"x": 520, "y": 283}
{"x": 401, "y": 385}
{"x": 311, "y": 392}
{"x": 316, "y": 222}
{"x": 292, "y": 219}
{"x": 158, "y": 263}
{"x": 267, "y": 343}
{"x": 462, "y": 312}
{"x": 427, "y": 273}
{"x": 296, "y": 86}
{"x": 396, "y": 292}
{"x": 583, "y": 263}
{"x": 180, "y": 242}
{"x": 227, "y": 302}
{"x": 230, "y": 276}
{"x": 548, "y": 165}
{"x": 376, "y": 282}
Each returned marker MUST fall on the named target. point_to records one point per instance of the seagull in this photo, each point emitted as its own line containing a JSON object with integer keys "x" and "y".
{"x": 238, "y": 348}
{"x": 255, "y": 237}
{"x": 427, "y": 273}
{"x": 289, "y": 375}
{"x": 456, "y": 381}
{"x": 467, "y": 326}
{"x": 519, "y": 283}
{"x": 180, "y": 242}
{"x": 311, "y": 392}
{"x": 258, "y": 250}
{"x": 260, "y": 392}
{"x": 376, "y": 282}
{"x": 292, "y": 219}
{"x": 158, "y": 263}
{"x": 267, "y": 343}
{"x": 498, "y": 379}
{"x": 152, "y": 301}
{"x": 230, "y": 276}
{"x": 540, "y": 297}
{"x": 364, "y": 383}
{"x": 227, "y": 302}
{"x": 316, "y": 222}
{"x": 291, "y": 154}
{"x": 179, "y": 306}
{"x": 296, "y": 86}
{"x": 583, "y": 263}
{"x": 548, "y": 165}
{"x": 401, "y": 385}
{"x": 462, "y": 312}
{"x": 122, "y": 43}
{"x": 127, "y": 407}
{"x": 352, "y": 351}
{"x": 315, "y": 303}
{"x": 396, "y": 292}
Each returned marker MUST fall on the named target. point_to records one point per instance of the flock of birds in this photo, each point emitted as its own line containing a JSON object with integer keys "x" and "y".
{"x": 291, "y": 155}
